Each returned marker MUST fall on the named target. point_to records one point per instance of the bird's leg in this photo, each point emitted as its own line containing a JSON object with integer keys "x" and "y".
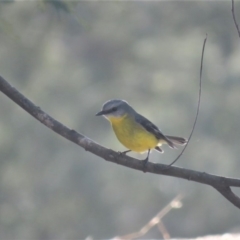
{"x": 145, "y": 161}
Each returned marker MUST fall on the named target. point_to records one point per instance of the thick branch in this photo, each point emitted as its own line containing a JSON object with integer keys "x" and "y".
{"x": 222, "y": 184}
{"x": 229, "y": 195}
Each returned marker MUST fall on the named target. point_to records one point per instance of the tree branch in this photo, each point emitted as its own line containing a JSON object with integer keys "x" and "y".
{"x": 228, "y": 194}
{"x": 234, "y": 18}
{"x": 222, "y": 184}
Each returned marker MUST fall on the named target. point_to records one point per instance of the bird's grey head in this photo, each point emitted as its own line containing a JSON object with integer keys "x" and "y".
{"x": 115, "y": 108}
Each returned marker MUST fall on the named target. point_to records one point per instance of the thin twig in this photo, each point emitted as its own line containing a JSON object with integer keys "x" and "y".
{"x": 163, "y": 230}
{"x": 198, "y": 106}
{"x": 234, "y": 18}
{"x": 154, "y": 221}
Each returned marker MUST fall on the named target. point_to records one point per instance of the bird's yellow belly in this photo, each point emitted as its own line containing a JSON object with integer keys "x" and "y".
{"x": 132, "y": 136}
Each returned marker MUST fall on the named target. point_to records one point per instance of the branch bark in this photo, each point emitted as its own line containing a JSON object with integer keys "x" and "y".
{"x": 221, "y": 184}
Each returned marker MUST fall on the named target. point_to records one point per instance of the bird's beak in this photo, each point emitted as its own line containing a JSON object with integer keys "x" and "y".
{"x": 100, "y": 113}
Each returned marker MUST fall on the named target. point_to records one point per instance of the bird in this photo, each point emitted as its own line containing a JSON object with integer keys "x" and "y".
{"x": 134, "y": 131}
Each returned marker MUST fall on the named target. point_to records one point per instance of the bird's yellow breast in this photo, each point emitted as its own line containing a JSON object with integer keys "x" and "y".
{"x": 132, "y": 135}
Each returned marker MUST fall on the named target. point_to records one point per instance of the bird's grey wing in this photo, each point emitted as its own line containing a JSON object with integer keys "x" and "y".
{"x": 150, "y": 127}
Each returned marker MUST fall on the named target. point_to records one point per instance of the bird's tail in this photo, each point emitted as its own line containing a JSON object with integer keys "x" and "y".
{"x": 175, "y": 140}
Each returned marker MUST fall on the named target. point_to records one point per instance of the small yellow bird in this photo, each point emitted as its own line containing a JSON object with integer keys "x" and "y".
{"x": 134, "y": 131}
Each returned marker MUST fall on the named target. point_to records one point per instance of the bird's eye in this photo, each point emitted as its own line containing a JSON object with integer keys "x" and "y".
{"x": 114, "y": 109}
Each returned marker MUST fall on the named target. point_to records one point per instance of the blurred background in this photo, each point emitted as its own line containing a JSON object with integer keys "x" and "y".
{"x": 69, "y": 58}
